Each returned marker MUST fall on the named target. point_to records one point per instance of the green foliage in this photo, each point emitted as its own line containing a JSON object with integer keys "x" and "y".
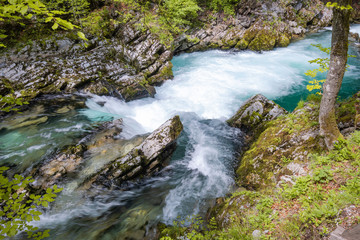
{"x": 336, "y": 5}
{"x": 178, "y": 13}
{"x": 228, "y": 6}
{"x": 97, "y": 23}
{"x": 323, "y": 63}
{"x": 300, "y": 187}
{"x": 166, "y": 20}
{"x": 323, "y": 67}
{"x": 315, "y": 98}
{"x": 23, "y": 12}
{"x": 74, "y": 7}
{"x": 285, "y": 160}
{"x": 322, "y": 175}
{"x": 9, "y": 102}
{"x": 19, "y": 208}
{"x": 301, "y": 104}
{"x": 318, "y": 204}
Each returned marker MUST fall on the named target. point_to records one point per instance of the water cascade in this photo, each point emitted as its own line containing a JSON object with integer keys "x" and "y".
{"x": 207, "y": 89}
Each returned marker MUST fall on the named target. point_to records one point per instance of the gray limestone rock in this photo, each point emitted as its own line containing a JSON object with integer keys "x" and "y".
{"x": 144, "y": 159}
{"x": 254, "y": 114}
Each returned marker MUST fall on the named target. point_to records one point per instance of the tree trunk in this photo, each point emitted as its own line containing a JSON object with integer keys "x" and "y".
{"x": 338, "y": 58}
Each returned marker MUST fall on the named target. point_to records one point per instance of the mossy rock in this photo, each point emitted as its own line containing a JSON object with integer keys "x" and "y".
{"x": 242, "y": 44}
{"x": 254, "y": 114}
{"x": 250, "y": 33}
{"x": 264, "y": 40}
{"x": 214, "y": 45}
{"x": 293, "y": 136}
{"x": 283, "y": 41}
{"x": 347, "y": 113}
{"x": 5, "y": 86}
{"x": 234, "y": 206}
{"x": 165, "y": 73}
{"x": 137, "y": 91}
{"x": 230, "y": 43}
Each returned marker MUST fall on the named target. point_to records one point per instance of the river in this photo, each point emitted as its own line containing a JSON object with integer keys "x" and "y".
{"x": 207, "y": 89}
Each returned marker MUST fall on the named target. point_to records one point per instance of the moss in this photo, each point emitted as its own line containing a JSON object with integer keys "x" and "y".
{"x": 214, "y": 45}
{"x": 129, "y": 92}
{"x": 5, "y": 86}
{"x": 177, "y": 127}
{"x": 242, "y": 44}
{"x": 227, "y": 44}
{"x": 290, "y": 136}
{"x": 264, "y": 40}
{"x": 283, "y": 41}
{"x": 346, "y": 111}
{"x": 250, "y": 34}
{"x": 165, "y": 73}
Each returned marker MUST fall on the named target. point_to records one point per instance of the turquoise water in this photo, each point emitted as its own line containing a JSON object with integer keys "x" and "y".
{"x": 278, "y": 74}
{"x": 33, "y": 135}
{"x": 351, "y": 83}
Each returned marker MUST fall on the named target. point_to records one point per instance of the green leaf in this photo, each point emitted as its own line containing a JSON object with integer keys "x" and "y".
{"x": 12, "y": 232}
{"x": 65, "y": 24}
{"x": 82, "y": 36}
{"x": 23, "y": 10}
{"x": 45, "y": 204}
{"x": 48, "y": 19}
{"x": 14, "y": 196}
{"x": 58, "y": 12}
{"x": 55, "y": 26}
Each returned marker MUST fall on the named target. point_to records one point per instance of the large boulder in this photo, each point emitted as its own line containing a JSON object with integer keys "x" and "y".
{"x": 281, "y": 149}
{"x": 144, "y": 159}
{"x": 254, "y": 114}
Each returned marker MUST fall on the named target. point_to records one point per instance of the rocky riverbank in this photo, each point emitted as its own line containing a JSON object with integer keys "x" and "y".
{"x": 131, "y": 62}
{"x": 288, "y": 186}
{"x": 284, "y": 156}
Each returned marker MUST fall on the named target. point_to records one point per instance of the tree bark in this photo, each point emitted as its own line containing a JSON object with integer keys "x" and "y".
{"x": 338, "y": 58}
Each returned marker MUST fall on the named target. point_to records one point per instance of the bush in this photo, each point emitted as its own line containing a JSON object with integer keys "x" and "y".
{"x": 18, "y": 207}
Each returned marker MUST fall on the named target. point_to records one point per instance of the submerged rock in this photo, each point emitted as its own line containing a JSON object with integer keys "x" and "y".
{"x": 254, "y": 114}
{"x": 54, "y": 170}
{"x": 69, "y": 160}
{"x": 144, "y": 159}
{"x": 76, "y": 162}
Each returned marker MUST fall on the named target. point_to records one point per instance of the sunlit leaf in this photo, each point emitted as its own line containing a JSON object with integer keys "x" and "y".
{"x": 55, "y": 26}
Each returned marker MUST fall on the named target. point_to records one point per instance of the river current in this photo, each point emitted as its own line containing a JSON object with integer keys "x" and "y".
{"x": 207, "y": 89}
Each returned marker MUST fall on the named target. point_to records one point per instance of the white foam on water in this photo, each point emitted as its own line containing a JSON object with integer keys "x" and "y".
{"x": 355, "y": 28}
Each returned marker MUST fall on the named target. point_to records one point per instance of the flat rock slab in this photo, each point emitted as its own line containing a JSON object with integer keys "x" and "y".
{"x": 341, "y": 234}
{"x": 352, "y": 234}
